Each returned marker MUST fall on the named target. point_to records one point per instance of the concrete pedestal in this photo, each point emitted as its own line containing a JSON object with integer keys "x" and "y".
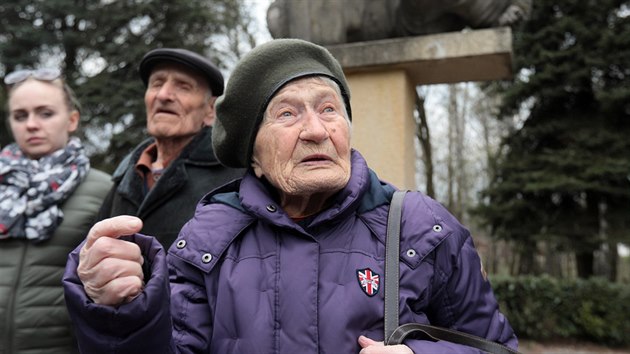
{"x": 383, "y": 74}
{"x": 383, "y": 130}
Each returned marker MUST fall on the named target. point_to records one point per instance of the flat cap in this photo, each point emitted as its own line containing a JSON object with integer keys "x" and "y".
{"x": 255, "y": 80}
{"x": 184, "y": 57}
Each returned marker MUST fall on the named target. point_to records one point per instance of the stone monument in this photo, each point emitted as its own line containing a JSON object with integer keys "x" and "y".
{"x": 329, "y": 22}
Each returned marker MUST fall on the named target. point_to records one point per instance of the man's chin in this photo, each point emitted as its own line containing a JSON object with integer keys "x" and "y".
{"x": 170, "y": 132}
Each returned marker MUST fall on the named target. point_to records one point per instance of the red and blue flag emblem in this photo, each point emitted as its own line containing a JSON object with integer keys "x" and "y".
{"x": 369, "y": 281}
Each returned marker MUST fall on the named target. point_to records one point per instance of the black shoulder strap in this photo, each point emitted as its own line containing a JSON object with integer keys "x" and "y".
{"x": 433, "y": 333}
{"x": 395, "y": 334}
{"x": 392, "y": 254}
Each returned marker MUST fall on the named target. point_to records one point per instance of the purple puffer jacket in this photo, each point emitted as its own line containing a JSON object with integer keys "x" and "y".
{"x": 245, "y": 278}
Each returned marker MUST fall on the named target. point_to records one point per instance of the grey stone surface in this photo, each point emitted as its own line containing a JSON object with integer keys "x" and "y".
{"x": 344, "y": 21}
{"x": 476, "y": 55}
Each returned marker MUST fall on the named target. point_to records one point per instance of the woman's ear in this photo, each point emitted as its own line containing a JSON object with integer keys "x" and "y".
{"x": 75, "y": 116}
{"x": 256, "y": 167}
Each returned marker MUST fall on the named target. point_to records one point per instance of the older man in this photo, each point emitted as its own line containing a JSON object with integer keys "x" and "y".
{"x": 164, "y": 177}
{"x": 289, "y": 259}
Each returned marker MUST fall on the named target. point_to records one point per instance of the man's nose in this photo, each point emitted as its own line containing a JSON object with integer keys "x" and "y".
{"x": 166, "y": 92}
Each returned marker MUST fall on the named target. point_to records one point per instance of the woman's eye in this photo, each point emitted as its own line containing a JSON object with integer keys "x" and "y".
{"x": 47, "y": 114}
{"x": 285, "y": 114}
{"x": 20, "y": 116}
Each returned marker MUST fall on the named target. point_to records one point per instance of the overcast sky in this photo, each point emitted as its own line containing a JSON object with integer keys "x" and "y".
{"x": 259, "y": 9}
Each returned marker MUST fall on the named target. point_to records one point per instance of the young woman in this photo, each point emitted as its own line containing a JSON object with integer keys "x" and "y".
{"x": 49, "y": 198}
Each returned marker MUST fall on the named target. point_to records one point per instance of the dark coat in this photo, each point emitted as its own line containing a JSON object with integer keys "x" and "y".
{"x": 172, "y": 200}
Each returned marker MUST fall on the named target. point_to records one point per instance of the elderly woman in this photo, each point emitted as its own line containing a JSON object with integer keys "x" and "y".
{"x": 272, "y": 263}
{"x": 49, "y": 198}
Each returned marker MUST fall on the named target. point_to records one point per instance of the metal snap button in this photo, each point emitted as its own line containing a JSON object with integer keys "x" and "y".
{"x": 271, "y": 208}
{"x": 181, "y": 244}
{"x": 411, "y": 253}
{"x": 206, "y": 258}
{"x": 437, "y": 228}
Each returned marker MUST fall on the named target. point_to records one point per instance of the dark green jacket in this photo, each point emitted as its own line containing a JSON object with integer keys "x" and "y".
{"x": 33, "y": 317}
{"x": 172, "y": 200}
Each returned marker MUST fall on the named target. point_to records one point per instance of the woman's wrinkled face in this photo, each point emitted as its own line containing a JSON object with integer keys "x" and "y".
{"x": 39, "y": 117}
{"x": 303, "y": 144}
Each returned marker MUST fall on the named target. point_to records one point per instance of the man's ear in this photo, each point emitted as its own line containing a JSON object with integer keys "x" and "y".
{"x": 210, "y": 115}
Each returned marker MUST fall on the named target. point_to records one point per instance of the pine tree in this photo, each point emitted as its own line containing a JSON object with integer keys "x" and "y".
{"x": 565, "y": 176}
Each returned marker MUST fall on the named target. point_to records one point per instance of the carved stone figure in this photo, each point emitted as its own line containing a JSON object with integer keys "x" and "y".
{"x": 335, "y": 21}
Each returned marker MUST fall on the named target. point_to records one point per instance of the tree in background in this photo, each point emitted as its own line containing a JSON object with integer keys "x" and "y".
{"x": 564, "y": 177}
{"x": 99, "y": 45}
{"x": 423, "y": 136}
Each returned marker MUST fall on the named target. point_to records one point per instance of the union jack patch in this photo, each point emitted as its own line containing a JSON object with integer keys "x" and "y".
{"x": 369, "y": 281}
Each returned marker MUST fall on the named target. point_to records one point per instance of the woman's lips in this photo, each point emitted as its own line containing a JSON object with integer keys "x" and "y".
{"x": 35, "y": 140}
{"x": 316, "y": 158}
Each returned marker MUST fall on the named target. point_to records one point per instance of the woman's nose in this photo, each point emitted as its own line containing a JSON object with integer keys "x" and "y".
{"x": 313, "y": 128}
{"x": 31, "y": 122}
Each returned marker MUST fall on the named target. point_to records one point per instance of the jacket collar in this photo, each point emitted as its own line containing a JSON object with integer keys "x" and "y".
{"x": 198, "y": 152}
{"x": 251, "y": 200}
{"x": 253, "y": 196}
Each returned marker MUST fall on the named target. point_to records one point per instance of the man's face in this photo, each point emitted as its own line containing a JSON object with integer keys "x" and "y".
{"x": 303, "y": 144}
{"x": 178, "y": 102}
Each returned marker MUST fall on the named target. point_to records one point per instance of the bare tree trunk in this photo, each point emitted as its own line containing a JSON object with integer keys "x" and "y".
{"x": 450, "y": 158}
{"x": 613, "y": 261}
{"x": 590, "y": 232}
{"x": 425, "y": 143}
{"x": 460, "y": 162}
{"x": 457, "y": 169}
{"x": 483, "y": 111}
{"x": 553, "y": 265}
{"x": 612, "y": 258}
{"x": 494, "y": 257}
{"x": 527, "y": 264}
{"x": 514, "y": 262}
{"x": 584, "y": 261}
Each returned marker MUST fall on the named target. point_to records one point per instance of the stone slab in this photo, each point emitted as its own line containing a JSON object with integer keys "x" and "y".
{"x": 471, "y": 55}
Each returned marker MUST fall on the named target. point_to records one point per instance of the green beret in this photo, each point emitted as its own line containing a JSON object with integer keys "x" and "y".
{"x": 252, "y": 84}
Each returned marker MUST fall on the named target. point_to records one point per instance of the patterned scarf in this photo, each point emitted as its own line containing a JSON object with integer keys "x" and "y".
{"x": 31, "y": 191}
